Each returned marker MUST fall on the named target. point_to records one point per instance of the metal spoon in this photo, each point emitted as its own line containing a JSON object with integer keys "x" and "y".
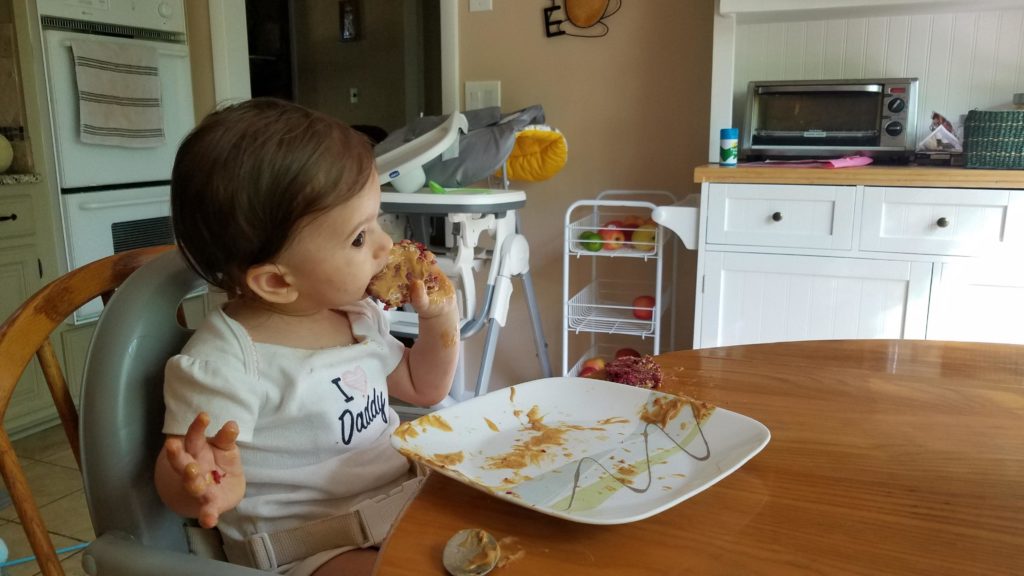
{"x": 471, "y": 552}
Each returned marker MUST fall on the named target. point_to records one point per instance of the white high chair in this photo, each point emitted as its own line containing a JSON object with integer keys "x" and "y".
{"x": 468, "y": 216}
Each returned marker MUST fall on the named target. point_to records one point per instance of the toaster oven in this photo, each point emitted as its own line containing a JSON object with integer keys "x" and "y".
{"x": 830, "y": 118}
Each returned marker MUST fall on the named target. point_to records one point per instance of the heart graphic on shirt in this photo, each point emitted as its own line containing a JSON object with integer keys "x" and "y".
{"x": 355, "y": 379}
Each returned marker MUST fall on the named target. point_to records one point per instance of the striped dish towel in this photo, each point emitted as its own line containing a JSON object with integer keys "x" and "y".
{"x": 118, "y": 94}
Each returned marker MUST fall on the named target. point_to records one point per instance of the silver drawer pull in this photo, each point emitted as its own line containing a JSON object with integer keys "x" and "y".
{"x": 942, "y": 222}
{"x": 777, "y": 216}
{"x": 12, "y": 217}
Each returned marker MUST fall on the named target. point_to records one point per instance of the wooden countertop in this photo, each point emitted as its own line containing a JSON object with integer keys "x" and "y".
{"x": 925, "y": 176}
{"x": 886, "y": 456}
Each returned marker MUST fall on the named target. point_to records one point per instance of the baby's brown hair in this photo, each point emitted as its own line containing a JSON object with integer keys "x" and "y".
{"x": 249, "y": 174}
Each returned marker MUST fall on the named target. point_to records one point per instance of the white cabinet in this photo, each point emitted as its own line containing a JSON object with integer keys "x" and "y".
{"x": 604, "y": 276}
{"x": 773, "y": 215}
{"x": 808, "y": 262}
{"x": 953, "y": 222}
{"x": 978, "y": 301}
{"x": 19, "y": 279}
{"x": 750, "y": 298}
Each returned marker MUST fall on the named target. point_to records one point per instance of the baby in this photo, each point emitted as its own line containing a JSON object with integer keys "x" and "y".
{"x": 277, "y": 205}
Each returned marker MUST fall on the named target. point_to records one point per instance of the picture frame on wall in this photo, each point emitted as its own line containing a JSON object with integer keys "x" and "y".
{"x": 348, "y": 20}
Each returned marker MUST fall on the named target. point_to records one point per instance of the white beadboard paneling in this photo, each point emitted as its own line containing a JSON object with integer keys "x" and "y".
{"x": 875, "y": 44}
{"x": 856, "y": 38}
{"x": 771, "y": 298}
{"x": 964, "y": 60}
{"x": 1009, "y": 54}
{"x": 897, "y": 44}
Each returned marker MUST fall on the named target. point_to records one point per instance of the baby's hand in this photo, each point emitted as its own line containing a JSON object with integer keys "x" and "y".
{"x": 210, "y": 468}
{"x": 435, "y": 303}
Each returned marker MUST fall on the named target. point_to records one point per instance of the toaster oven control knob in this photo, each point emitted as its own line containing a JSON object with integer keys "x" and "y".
{"x": 897, "y": 105}
{"x": 164, "y": 9}
{"x": 894, "y": 128}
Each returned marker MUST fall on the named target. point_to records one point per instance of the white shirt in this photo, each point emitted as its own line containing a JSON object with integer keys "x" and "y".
{"x": 314, "y": 425}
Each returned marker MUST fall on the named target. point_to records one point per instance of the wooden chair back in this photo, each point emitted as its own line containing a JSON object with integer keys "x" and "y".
{"x": 26, "y": 333}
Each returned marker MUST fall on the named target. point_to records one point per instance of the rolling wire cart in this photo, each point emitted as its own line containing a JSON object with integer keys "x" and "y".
{"x": 603, "y": 309}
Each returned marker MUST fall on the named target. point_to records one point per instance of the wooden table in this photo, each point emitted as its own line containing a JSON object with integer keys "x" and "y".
{"x": 886, "y": 457}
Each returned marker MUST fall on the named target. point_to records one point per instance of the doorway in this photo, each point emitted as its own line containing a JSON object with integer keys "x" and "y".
{"x": 385, "y": 75}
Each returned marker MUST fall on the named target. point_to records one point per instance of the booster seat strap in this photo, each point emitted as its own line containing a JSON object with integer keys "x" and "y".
{"x": 367, "y": 524}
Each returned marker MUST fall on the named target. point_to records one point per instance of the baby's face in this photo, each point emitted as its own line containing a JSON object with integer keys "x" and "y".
{"x": 332, "y": 257}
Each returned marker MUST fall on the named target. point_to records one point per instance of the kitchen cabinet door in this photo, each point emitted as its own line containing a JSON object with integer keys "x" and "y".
{"x": 19, "y": 279}
{"x": 753, "y": 298}
{"x": 977, "y": 302}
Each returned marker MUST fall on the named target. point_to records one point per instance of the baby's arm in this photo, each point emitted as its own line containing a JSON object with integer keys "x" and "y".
{"x": 200, "y": 477}
{"x": 425, "y": 374}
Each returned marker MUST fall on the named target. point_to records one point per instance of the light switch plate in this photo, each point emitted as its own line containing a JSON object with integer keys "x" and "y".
{"x": 481, "y": 94}
{"x": 480, "y": 5}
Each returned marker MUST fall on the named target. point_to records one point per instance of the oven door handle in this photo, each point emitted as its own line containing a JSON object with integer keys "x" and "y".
{"x": 120, "y": 203}
{"x": 177, "y": 53}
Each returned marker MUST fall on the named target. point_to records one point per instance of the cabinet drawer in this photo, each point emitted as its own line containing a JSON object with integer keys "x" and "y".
{"x": 16, "y": 218}
{"x": 770, "y": 215}
{"x": 959, "y": 222}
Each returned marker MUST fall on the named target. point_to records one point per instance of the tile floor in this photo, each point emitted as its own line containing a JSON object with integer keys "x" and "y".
{"x": 57, "y": 485}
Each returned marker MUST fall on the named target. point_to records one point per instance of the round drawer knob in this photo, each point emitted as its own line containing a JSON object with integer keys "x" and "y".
{"x": 942, "y": 222}
{"x": 777, "y": 216}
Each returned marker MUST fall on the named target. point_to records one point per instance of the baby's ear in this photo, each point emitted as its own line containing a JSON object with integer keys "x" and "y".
{"x": 271, "y": 283}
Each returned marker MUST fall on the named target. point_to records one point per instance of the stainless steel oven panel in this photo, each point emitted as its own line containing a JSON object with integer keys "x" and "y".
{"x": 896, "y": 126}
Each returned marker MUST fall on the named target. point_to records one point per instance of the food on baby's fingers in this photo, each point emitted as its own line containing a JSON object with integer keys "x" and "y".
{"x": 639, "y": 371}
{"x": 408, "y": 261}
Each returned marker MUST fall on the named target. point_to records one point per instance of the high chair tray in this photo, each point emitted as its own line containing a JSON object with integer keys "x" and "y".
{"x": 582, "y": 449}
{"x": 427, "y": 202}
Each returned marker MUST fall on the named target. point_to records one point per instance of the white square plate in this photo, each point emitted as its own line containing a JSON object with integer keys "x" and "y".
{"x": 583, "y": 449}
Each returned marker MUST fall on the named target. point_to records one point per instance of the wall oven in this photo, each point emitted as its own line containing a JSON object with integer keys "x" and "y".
{"x": 114, "y": 197}
{"x": 830, "y": 118}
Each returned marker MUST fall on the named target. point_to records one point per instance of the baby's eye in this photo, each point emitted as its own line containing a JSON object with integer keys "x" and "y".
{"x": 360, "y": 240}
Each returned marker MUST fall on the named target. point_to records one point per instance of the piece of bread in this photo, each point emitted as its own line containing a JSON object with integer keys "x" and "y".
{"x": 640, "y": 371}
{"x": 407, "y": 261}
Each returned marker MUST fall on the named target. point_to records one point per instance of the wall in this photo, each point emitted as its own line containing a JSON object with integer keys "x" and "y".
{"x": 634, "y": 108}
{"x": 373, "y": 64}
{"x": 964, "y": 60}
{"x": 197, "y": 22}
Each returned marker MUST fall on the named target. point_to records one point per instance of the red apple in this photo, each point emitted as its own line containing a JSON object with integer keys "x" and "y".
{"x": 643, "y": 307}
{"x": 596, "y": 363}
{"x": 613, "y": 238}
{"x": 623, "y": 352}
{"x": 587, "y": 371}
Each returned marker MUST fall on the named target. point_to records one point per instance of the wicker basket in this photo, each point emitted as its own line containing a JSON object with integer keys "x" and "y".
{"x": 994, "y": 139}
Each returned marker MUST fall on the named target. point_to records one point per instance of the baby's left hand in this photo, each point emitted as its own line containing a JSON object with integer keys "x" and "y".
{"x": 437, "y": 303}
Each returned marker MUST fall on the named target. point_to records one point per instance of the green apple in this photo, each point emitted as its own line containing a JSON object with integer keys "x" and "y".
{"x": 590, "y": 241}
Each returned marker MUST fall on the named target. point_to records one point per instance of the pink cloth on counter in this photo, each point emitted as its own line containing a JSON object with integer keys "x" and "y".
{"x": 844, "y": 162}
